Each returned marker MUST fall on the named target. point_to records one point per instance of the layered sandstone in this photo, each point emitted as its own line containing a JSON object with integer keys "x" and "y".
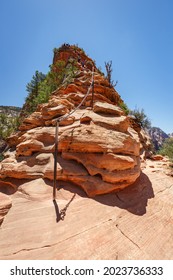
{"x": 98, "y": 153}
{"x": 97, "y": 148}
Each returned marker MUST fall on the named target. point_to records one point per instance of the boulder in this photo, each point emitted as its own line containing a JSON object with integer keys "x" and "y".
{"x": 100, "y": 107}
{"x": 117, "y": 123}
{"x": 96, "y": 139}
{"x": 157, "y": 157}
{"x": 34, "y": 120}
{"x": 49, "y": 113}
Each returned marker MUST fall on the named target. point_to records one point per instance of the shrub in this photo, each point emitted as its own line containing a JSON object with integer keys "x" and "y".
{"x": 100, "y": 71}
{"x": 41, "y": 85}
{"x": 33, "y": 88}
{"x": 8, "y": 124}
{"x": 141, "y": 118}
{"x": 167, "y": 148}
{"x": 1, "y": 157}
{"x": 43, "y": 94}
{"x": 124, "y": 107}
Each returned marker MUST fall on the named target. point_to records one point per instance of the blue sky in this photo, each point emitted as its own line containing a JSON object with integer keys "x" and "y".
{"x": 137, "y": 35}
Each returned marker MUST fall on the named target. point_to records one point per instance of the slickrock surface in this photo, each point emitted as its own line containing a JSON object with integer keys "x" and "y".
{"x": 135, "y": 223}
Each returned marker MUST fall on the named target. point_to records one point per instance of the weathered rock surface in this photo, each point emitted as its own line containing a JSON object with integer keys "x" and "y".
{"x": 146, "y": 146}
{"x": 157, "y": 157}
{"x": 128, "y": 214}
{"x": 5, "y": 205}
{"x": 135, "y": 223}
{"x": 116, "y": 123}
{"x": 100, "y": 107}
{"x": 89, "y": 136}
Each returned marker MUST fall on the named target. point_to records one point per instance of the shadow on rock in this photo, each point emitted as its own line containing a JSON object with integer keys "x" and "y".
{"x": 67, "y": 187}
{"x": 70, "y": 188}
{"x": 134, "y": 198}
{"x": 7, "y": 187}
{"x": 58, "y": 216}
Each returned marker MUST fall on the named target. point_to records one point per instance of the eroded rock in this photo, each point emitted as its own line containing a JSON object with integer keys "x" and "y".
{"x": 5, "y": 205}
{"x": 98, "y": 150}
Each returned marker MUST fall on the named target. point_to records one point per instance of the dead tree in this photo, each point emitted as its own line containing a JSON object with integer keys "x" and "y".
{"x": 108, "y": 66}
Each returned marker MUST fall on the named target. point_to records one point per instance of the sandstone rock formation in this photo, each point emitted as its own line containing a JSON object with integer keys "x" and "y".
{"x": 98, "y": 150}
{"x": 146, "y": 145}
{"x": 132, "y": 224}
{"x": 5, "y": 205}
{"x": 157, "y": 157}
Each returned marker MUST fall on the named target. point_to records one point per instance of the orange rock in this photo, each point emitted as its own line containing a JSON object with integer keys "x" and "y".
{"x": 13, "y": 139}
{"x": 157, "y": 157}
{"x": 115, "y": 123}
{"x": 109, "y": 161}
{"x": 98, "y": 153}
{"x": 7, "y": 187}
{"x": 34, "y": 120}
{"x": 49, "y": 113}
{"x": 87, "y": 139}
{"x": 100, "y": 107}
{"x": 97, "y": 148}
{"x": 67, "y": 121}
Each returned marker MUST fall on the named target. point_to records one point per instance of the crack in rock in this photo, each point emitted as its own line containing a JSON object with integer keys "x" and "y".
{"x": 31, "y": 249}
{"x": 54, "y": 244}
{"x": 167, "y": 188}
{"x": 117, "y": 226}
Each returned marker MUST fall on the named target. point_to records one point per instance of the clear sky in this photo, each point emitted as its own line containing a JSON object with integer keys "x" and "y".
{"x": 137, "y": 35}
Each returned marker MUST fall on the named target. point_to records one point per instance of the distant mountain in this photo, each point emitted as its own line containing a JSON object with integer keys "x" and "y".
{"x": 10, "y": 111}
{"x": 158, "y": 137}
